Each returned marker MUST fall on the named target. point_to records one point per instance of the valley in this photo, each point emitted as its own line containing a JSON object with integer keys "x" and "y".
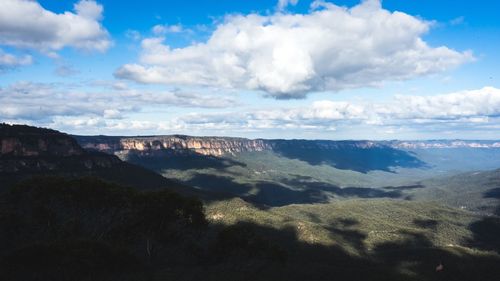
{"x": 281, "y": 172}
{"x": 259, "y": 209}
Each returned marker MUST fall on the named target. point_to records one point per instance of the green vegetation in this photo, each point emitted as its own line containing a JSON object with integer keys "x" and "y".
{"x": 375, "y": 221}
{"x": 270, "y": 179}
{"x": 264, "y": 216}
{"x": 87, "y": 229}
{"x": 473, "y": 191}
{"x": 403, "y": 239}
{"x": 93, "y": 226}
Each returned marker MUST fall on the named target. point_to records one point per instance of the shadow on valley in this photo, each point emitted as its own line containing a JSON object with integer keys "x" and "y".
{"x": 493, "y": 193}
{"x": 57, "y": 229}
{"x": 169, "y": 159}
{"x": 358, "y": 192}
{"x": 292, "y": 191}
{"x": 347, "y": 230}
{"x": 486, "y": 231}
{"x": 426, "y": 223}
{"x": 347, "y": 155}
{"x": 260, "y": 193}
{"x": 404, "y": 187}
{"x": 97, "y": 164}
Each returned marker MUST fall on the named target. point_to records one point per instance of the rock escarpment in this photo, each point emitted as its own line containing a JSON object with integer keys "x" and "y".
{"x": 209, "y": 146}
{"x": 362, "y": 156}
{"x": 212, "y": 146}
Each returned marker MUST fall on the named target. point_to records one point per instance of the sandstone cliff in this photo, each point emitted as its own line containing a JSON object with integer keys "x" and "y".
{"x": 177, "y": 144}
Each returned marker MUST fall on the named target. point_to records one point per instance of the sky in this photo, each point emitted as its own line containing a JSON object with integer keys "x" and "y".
{"x": 308, "y": 69}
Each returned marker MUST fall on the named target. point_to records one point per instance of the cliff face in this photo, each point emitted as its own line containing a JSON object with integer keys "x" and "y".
{"x": 25, "y": 149}
{"x": 24, "y": 141}
{"x": 178, "y": 144}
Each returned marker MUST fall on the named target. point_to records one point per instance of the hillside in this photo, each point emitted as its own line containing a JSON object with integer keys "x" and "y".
{"x": 52, "y": 228}
{"x": 477, "y": 192}
{"x": 29, "y": 151}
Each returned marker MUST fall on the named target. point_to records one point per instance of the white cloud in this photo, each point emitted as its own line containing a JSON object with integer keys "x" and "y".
{"x": 475, "y": 103}
{"x": 282, "y": 4}
{"x": 10, "y": 61}
{"x": 26, "y": 24}
{"x": 289, "y": 55}
{"x": 468, "y": 106}
{"x": 457, "y": 21}
{"x": 65, "y": 70}
{"x": 162, "y": 29}
{"x": 89, "y": 9}
{"x": 133, "y": 34}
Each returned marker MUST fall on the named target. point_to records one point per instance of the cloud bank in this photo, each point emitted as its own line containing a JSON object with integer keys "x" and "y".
{"x": 466, "y": 107}
{"x": 56, "y": 106}
{"x": 331, "y": 48}
{"x": 29, "y": 101}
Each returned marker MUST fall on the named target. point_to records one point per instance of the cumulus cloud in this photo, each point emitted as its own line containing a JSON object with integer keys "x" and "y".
{"x": 331, "y": 48}
{"x": 26, "y": 24}
{"x": 89, "y": 9}
{"x": 11, "y": 61}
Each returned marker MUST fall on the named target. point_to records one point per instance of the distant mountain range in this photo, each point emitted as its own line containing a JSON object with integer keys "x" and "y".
{"x": 357, "y": 155}
{"x": 444, "y": 144}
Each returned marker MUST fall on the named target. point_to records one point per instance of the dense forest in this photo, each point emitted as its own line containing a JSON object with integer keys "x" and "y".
{"x": 87, "y": 229}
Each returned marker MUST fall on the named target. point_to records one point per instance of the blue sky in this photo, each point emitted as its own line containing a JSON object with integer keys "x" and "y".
{"x": 271, "y": 69}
